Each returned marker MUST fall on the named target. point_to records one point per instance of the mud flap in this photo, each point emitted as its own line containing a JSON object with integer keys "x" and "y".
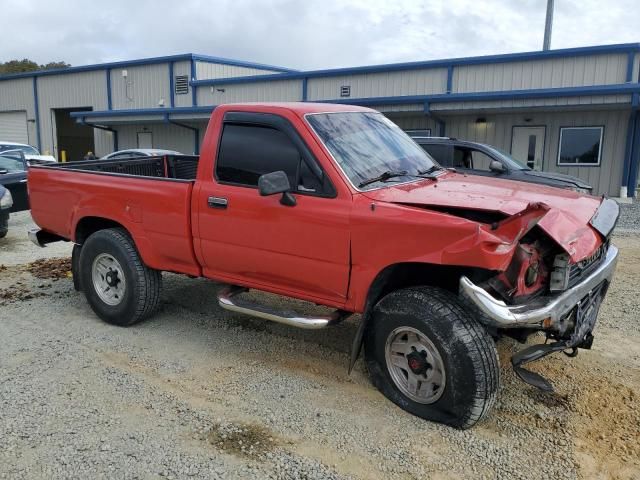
{"x": 75, "y": 267}
{"x": 530, "y": 354}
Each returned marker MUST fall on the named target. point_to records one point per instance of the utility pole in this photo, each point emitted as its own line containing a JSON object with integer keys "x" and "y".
{"x": 548, "y": 25}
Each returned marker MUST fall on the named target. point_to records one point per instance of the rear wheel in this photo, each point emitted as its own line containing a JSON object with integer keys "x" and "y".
{"x": 119, "y": 287}
{"x": 427, "y": 354}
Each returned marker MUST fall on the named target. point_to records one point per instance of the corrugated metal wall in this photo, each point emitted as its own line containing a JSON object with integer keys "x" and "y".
{"x": 17, "y": 95}
{"x": 532, "y": 103}
{"x": 86, "y": 89}
{"x": 551, "y": 73}
{"x": 170, "y": 137}
{"x": 414, "y": 121}
{"x": 206, "y": 70}
{"x": 386, "y": 84}
{"x": 276, "y": 91}
{"x": 144, "y": 87}
{"x": 498, "y": 131}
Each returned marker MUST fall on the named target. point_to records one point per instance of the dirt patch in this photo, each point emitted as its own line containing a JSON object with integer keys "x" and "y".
{"x": 51, "y": 269}
{"x": 18, "y": 293}
{"x": 246, "y": 440}
{"x": 607, "y": 422}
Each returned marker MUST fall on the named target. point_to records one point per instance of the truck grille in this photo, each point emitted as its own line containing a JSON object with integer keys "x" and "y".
{"x": 586, "y": 266}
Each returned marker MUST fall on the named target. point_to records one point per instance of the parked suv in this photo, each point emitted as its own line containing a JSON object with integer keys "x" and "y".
{"x": 486, "y": 160}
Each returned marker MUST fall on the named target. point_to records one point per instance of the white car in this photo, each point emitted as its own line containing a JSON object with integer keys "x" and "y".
{"x": 139, "y": 152}
{"x": 31, "y": 154}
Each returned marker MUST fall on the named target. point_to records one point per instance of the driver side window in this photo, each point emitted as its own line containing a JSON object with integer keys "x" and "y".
{"x": 248, "y": 151}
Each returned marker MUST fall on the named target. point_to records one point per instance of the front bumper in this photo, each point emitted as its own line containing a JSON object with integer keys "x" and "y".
{"x": 542, "y": 313}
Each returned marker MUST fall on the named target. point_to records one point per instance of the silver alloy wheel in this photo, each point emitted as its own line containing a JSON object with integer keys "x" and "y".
{"x": 108, "y": 279}
{"x": 415, "y": 365}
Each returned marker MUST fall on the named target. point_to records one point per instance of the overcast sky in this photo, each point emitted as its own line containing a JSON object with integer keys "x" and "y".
{"x": 304, "y": 34}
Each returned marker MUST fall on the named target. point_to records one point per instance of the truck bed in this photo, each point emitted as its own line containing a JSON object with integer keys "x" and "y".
{"x": 180, "y": 167}
{"x": 149, "y": 197}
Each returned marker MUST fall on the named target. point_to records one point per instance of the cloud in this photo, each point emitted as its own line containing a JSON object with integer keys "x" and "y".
{"x": 304, "y": 34}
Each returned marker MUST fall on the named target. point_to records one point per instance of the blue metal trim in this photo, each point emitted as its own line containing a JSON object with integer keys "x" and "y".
{"x": 143, "y": 61}
{"x": 427, "y": 108}
{"x": 634, "y": 160}
{"x": 194, "y": 93}
{"x": 109, "y": 102}
{"x": 441, "y": 128}
{"x": 142, "y": 111}
{"x": 449, "y": 78}
{"x": 305, "y": 81}
{"x": 172, "y": 100}
{"x": 37, "y": 112}
{"x": 635, "y": 101}
{"x": 240, "y": 63}
{"x": 499, "y": 95}
{"x": 631, "y": 56}
{"x": 99, "y": 66}
{"x": 628, "y": 149}
{"x": 445, "y": 63}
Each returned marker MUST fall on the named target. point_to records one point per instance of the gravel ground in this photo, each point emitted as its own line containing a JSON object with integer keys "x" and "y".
{"x": 198, "y": 392}
{"x": 630, "y": 217}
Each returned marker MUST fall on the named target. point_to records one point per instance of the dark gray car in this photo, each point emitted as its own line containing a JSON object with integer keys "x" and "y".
{"x": 481, "y": 159}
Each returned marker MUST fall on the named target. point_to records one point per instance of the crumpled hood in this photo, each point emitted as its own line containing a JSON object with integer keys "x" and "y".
{"x": 567, "y": 220}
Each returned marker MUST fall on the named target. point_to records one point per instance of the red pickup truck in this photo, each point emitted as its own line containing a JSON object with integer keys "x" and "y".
{"x": 335, "y": 205}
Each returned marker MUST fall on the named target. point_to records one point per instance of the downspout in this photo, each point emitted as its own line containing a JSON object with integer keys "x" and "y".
{"x": 439, "y": 121}
{"x": 196, "y": 132}
{"x": 82, "y": 121}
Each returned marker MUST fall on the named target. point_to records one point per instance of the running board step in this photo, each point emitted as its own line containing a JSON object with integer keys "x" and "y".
{"x": 228, "y": 299}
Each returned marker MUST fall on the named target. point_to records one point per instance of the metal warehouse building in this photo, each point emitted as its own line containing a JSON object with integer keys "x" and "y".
{"x": 572, "y": 111}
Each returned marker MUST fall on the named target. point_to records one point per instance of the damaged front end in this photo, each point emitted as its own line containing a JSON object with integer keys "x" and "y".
{"x": 542, "y": 289}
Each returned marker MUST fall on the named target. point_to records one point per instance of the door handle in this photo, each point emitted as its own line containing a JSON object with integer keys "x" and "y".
{"x": 217, "y": 202}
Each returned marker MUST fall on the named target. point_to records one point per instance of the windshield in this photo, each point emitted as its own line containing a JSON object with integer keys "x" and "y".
{"x": 366, "y": 145}
{"x": 511, "y": 162}
{"x": 11, "y": 164}
{"x": 28, "y": 149}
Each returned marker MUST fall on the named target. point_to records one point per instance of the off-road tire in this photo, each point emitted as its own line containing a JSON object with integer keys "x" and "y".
{"x": 143, "y": 284}
{"x": 3, "y": 233}
{"x": 468, "y": 353}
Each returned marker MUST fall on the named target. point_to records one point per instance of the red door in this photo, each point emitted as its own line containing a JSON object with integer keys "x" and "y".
{"x": 248, "y": 239}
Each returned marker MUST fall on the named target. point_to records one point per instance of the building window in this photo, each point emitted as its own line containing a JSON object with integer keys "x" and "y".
{"x": 345, "y": 91}
{"x": 580, "y": 146}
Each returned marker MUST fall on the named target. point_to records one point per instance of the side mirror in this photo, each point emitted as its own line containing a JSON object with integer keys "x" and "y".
{"x": 496, "y": 166}
{"x": 274, "y": 183}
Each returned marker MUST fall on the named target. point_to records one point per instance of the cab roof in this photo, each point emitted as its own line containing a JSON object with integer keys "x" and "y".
{"x": 300, "y": 108}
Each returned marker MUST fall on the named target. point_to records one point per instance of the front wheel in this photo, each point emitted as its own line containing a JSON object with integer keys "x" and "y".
{"x": 427, "y": 354}
{"x": 120, "y": 288}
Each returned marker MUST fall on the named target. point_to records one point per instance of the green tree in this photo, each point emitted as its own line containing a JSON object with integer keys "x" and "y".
{"x": 26, "y": 65}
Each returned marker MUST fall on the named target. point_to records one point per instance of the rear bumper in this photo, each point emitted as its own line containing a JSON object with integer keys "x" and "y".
{"x": 543, "y": 312}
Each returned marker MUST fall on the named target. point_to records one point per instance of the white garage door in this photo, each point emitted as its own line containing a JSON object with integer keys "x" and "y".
{"x": 13, "y": 127}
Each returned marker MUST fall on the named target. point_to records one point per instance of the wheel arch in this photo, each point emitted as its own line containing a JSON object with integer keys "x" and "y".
{"x": 89, "y": 225}
{"x": 410, "y": 274}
